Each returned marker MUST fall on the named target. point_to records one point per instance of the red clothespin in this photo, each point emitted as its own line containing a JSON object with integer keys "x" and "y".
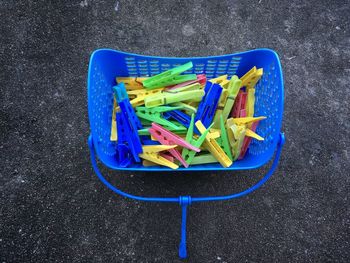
{"x": 247, "y": 141}
{"x": 166, "y": 137}
{"x": 201, "y": 79}
{"x": 240, "y": 104}
{"x": 167, "y": 156}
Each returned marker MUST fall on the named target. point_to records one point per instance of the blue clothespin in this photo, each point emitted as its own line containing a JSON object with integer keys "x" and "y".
{"x": 124, "y": 154}
{"x": 128, "y": 121}
{"x": 178, "y": 115}
{"x": 207, "y": 107}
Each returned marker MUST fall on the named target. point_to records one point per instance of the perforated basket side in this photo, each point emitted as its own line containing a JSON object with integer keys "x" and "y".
{"x": 267, "y": 103}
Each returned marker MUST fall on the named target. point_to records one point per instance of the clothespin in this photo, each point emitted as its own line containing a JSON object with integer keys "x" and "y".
{"x": 213, "y": 147}
{"x": 250, "y": 79}
{"x": 147, "y": 163}
{"x": 228, "y": 96}
{"x": 222, "y": 80}
{"x": 237, "y": 132}
{"x": 151, "y": 153}
{"x": 172, "y": 97}
{"x": 194, "y": 86}
{"x": 232, "y": 92}
{"x": 170, "y": 77}
{"x": 149, "y": 141}
{"x": 167, "y": 156}
{"x": 182, "y": 130}
{"x": 201, "y": 79}
{"x": 186, "y": 107}
{"x": 138, "y": 96}
{"x": 223, "y": 139}
{"x": 168, "y": 138}
{"x": 155, "y": 115}
{"x": 240, "y": 104}
{"x": 114, "y": 134}
{"x": 247, "y": 141}
{"x": 247, "y": 120}
{"x": 128, "y": 121}
{"x": 207, "y": 107}
{"x": 250, "y": 102}
{"x": 124, "y": 155}
{"x": 187, "y": 154}
{"x": 178, "y": 115}
{"x": 131, "y": 83}
{"x": 203, "y": 159}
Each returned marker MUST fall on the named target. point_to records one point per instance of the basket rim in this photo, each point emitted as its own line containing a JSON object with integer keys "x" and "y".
{"x": 181, "y": 58}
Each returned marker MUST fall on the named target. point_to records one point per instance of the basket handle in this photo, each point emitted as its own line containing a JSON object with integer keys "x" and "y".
{"x": 115, "y": 189}
{"x": 266, "y": 177}
{"x": 185, "y": 201}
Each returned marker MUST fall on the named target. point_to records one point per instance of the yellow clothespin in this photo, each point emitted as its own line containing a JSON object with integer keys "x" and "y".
{"x": 214, "y": 133}
{"x": 131, "y": 83}
{"x": 213, "y": 147}
{"x": 246, "y": 120}
{"x": 150, "y": 153}
{"x": 114, "y": 134}
{"x": 236, "y": 134}
{"x": 250, "y": 79}
{"x": 137, "y": 97}
{"x": 222, "y": 80}
{"x": 147, "y": 163}
{"x": 250, "y": 102}
{"x": 250, "y": 133}
{"x": 237, "y": 129}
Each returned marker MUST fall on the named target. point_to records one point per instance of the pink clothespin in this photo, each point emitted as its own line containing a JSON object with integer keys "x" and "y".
{"x": 247, "y": 141}
{"x": 243, "y": 113}
{"x": 201, "y": 79}
{"x": 166, "y": 137}
{"x": 240, "y": 104}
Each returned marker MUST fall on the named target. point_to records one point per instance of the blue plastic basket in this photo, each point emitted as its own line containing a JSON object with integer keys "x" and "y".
{"x": 106, "y": 64}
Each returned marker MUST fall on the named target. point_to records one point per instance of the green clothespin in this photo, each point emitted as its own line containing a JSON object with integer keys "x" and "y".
{"x": 233, "y": 89}
{"x": 223, "y": 139}
{"x": 204, "y": 158}
{"x": 145, "y": 122}
{"x": 187, "y": 154}
{"x": 170, "y": 77}
{"x": 168, "y": 98}
{"x": 186, "y": 107}
{"x": 194, "y": 86}
{"x": 155, "y": 115}
{"x": 227, "y": 100}
{"x": 179, "y": 130}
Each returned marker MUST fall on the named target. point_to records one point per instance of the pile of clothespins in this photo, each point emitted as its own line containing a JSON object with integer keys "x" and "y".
{"x": 190, "y": 120}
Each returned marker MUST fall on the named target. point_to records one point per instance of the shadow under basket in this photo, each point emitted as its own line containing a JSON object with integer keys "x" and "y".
{"x": 106, "y": 64}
